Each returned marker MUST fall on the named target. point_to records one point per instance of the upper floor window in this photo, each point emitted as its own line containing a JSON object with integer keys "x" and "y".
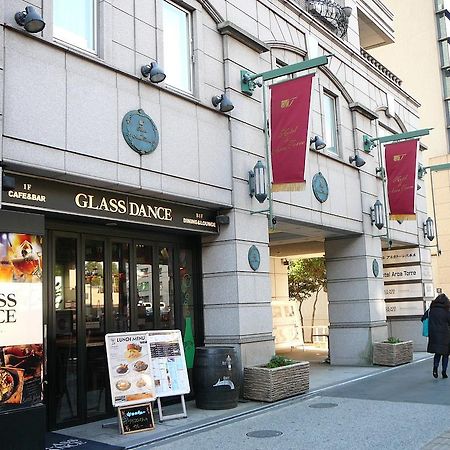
{"x": 74, "y": 22}
{"x": 177, "y": 46}
{"x": 330, "y": 122}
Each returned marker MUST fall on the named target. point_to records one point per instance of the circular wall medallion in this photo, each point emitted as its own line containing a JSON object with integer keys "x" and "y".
{"x": 254, "y": 258}
{"x": 320, "y": 187}
{"x": 375, "y": 267}
{"x": 140, "y": 132}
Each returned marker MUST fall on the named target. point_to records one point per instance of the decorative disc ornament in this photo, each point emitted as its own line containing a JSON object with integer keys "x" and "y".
{"x": 254, "y": 258}
{"x": 140, "y": 132}
{"x": 320, "y": 187}
{"x": 375, "y": 268}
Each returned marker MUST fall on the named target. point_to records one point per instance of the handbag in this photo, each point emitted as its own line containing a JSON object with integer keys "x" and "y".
{"x": 425, "y": 326}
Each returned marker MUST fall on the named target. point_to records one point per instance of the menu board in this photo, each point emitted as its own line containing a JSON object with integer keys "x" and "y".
{"x": 168, "y": 363}
{"x": 21, "y": 324}
{"x": 130, "y": 369}
{"x": 133, "y": 419}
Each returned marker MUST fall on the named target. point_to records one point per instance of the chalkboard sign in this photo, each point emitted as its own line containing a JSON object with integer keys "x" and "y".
{"x": 133, "y": 419}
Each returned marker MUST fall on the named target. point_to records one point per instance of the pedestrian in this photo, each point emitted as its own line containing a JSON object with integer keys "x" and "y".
{"x": 439, "y": 332}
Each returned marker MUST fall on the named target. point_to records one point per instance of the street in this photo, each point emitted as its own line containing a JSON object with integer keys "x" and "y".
{"x": 403, "y": 408}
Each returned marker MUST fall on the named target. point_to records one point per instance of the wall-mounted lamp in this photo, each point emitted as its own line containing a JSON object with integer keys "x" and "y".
{"x": 154, "y": 72}
{"x": 317, "y": 143}
{"x": 8, "y": 183}
{"x": 428, "y": 229}
{"x": 359, "y": 162}
{"x": 421, "y": 171}
{"x": 376, "y": 215}
{"x": 257, "y": 182}
{"x": 223, "y": 219}
{"x": 381, "y": 172}
{"x": 30, "y": 20}
{"x": 285, "y": 262}
{"x": 223, "y": 101}
{"x": 368, "y": 143}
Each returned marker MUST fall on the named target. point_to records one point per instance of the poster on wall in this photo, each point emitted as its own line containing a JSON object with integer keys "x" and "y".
{"x": 169, "y": 363}
{"x": 21, "y": 323}
{"x": 130, "y": 368}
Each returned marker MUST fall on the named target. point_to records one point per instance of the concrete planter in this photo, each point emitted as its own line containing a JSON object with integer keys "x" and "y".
{"x": 385, "y": 354}
{"x": 270, "y": 385}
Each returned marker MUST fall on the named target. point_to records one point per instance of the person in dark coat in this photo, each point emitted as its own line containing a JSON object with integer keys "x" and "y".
{"x": 439, "y": 332}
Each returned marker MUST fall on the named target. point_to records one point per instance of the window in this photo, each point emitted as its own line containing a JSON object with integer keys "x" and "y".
{"x": 74, "y": 22}
{"x": 177, "y": 47}
{"x": 330, "y": 122}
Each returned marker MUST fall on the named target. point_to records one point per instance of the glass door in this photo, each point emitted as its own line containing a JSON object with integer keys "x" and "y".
{"x": 64, "y": 354}
{"x": 106, "y": 284}
{"x": 95, "y": 326}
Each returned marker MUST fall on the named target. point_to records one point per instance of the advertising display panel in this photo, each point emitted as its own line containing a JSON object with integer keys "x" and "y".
{"x": 21, "y": 322}
{"x": 169, "y": 363}
{"x": 130, "y": 369}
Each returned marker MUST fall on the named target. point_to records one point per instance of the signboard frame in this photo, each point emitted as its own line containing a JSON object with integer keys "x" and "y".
{"x": 121, "y": 411}
{"x": 170, "y": 335}
{"x": 113, "y": 364}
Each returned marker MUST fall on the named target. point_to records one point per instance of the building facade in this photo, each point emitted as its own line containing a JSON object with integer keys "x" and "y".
{"x": 430, "y": 86}
{"x": 140, "y": 189}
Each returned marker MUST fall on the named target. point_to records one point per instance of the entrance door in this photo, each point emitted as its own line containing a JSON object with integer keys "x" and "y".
{"x": 99, "y": 285}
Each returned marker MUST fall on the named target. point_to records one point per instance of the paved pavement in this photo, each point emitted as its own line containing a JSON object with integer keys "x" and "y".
{"x": 346, "y": 408}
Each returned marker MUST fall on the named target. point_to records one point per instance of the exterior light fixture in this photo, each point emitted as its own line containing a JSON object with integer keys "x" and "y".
{"x": 428, "y": 229}
{"x": 376, "y": 215}
{"x": 359, "y": 162}
{"x": 421, "y": 171}
{"x": 381, "y": 172}
{"x": 257, "y": 182}
{"x": 317, "y": 143}
{"x": 30, "y": 20}
{"x": 154, "y": 72}
{"x": 285, "y": 262}
{"x": 223, "y": 101}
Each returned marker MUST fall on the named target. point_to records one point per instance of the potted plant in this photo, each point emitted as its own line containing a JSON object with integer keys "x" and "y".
{"x": 280, "y": 378}
{"x": 392, "y": 352}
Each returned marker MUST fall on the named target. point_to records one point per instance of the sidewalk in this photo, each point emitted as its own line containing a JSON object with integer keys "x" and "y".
{"x": 322, "y": 377}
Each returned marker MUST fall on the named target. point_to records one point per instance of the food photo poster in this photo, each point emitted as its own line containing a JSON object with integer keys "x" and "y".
{"x": 130, "y": 369}
{"x": 21, "y": 324}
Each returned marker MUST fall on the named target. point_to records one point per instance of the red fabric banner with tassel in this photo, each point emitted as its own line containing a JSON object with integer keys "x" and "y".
{"x": 290, "y": 107}
{"x": 401, "y": 172}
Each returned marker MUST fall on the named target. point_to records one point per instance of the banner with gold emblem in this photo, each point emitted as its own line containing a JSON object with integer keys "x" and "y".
{"x": 401, "y": 172}
{"x": 290, "y": 106}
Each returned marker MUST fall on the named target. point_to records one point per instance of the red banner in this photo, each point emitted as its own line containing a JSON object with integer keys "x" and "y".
{"x": 401, "y": 172}
{"x": 290, "y": 105}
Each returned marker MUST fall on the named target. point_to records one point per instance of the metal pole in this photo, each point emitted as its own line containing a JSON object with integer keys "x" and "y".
{"x": 268, "y": 164}
{"x": 383, "y": 182}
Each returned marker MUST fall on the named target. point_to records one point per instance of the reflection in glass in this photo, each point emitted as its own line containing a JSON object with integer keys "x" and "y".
{"x": 65, "y": 329}
{"x": 120, "y": 287}
{"x": 94, "y": 294}
{"x": 330, "y": 136}
{"x": 177, "y": 47}
{"x": 144, "y": 287}
{"x": 166, "y": 292}
{"x": 74, "y": 22}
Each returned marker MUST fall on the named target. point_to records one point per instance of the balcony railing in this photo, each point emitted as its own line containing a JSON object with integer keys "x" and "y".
{"x": 331, "y": 13}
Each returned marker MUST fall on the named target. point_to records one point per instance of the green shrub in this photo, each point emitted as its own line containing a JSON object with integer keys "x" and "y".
{"x": 393, "y": 340}
{"x": 279, "y": 361}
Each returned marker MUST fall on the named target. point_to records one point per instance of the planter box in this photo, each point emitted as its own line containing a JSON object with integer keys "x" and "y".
{"x": 385, "y": 354}
{"x": 270, "y": 385}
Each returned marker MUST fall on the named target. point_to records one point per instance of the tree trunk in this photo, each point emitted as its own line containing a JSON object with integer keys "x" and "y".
{"x": 314, "y": 313}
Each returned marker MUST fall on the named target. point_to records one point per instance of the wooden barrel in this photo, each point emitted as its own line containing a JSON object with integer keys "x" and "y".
{"x": 217, "y": 377}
